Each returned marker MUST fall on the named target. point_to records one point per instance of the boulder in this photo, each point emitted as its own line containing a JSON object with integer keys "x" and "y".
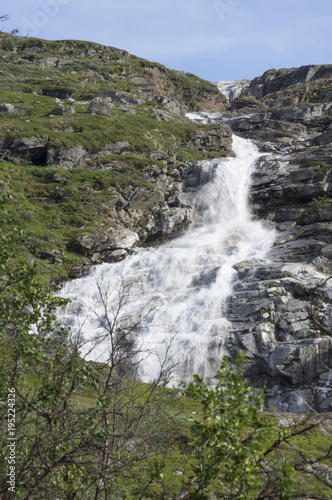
{"x": 47, "y": 62}
{"x": 116, "y": 237}
{"x": 63, "y": 110}
{"x": 8, "y": 108}
{"x": 323, "y": 139}
{"x": 169, "y": 223}
{"x": 74, "y": 157}
{"x": 100, "y": 106}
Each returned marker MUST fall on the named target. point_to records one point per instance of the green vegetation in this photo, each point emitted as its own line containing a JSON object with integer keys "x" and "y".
{"x": 86, "y": 430}
{"x": 93, "y": 132}
{"x": 53, "y": 212}
{"x": 83, "y": 428}
{"x": 322, "y": 166}
{"x": 79, "y": 69}
{"x": 320, "y": 203}
{"x": 60, "y": 174}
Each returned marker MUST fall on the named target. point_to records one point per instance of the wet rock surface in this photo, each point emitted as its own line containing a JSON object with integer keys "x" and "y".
{"x": 273, "y": 322}
{"x": 280, "y": 310}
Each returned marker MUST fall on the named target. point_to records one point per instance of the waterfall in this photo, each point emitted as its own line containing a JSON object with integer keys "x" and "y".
{"x": 171, "y": 300}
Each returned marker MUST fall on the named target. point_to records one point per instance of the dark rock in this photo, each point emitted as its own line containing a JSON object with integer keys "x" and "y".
{"x": 57, "y": 91}
{"x": 78, "y": 271}
{"x": 323, "y": 139}
{"x": 194, "y": 176}
{"x": 30, "y": 149}
{"x": 63, "y": 110}
{"x": 206, "y": 278}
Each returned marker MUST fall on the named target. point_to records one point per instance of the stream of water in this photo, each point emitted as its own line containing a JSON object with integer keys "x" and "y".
{"x": 171, "y": 300}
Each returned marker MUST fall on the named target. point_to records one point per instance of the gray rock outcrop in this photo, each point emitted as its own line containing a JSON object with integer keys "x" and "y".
{"x": 63, "y": 110}
{"x": 217, "y": 138}
{"x": 115, "y": 241}
{"x": 273, "y": 80}
{"x": 100, "y": 106}
{"x": 281, "y": 310}
{"x": 271, "y": 321}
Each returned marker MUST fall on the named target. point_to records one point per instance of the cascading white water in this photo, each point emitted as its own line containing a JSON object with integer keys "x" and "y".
{"x": 176, "y": 292}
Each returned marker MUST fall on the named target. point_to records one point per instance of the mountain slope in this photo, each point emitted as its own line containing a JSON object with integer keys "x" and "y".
{"x": 94, "y": 149}
{"x": 97, "y": 157}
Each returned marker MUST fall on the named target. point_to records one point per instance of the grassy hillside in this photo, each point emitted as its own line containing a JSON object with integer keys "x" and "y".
{"x": 60, "y": 175}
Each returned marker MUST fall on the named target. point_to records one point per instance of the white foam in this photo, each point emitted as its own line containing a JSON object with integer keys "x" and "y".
{"x": 185, "y": 283}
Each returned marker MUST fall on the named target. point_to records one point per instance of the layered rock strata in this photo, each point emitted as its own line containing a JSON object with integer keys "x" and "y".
{"x": 281, "y": 309}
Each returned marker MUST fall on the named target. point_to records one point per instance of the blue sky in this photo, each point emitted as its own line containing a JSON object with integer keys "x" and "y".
{"x": 215, "y": 39}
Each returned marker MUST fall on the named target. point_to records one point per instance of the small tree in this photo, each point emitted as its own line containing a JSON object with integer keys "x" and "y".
{"x": 83, "y": 429}
{"x": 229, "y": 436}
{"x": 240, "y": 452}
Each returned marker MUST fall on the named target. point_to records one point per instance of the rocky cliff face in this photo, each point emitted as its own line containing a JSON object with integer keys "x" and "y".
{"x": 275, "y": 81}
{"x": 281, "y": 310}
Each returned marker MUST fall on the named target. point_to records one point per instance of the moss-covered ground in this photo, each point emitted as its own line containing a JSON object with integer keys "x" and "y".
{"x": 55, "y": 204}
